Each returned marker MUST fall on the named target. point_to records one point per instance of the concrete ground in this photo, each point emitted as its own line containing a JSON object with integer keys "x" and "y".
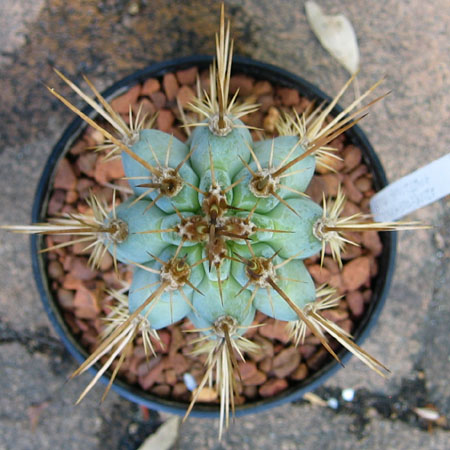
{"x": 108, "y": 39}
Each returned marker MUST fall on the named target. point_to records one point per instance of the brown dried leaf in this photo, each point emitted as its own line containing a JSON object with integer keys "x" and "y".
{"x": 34, "y": 413}
{"x": 165, "y": 436}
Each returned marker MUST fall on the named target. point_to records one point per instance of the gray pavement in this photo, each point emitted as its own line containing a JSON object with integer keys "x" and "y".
{"x": 407, "y": 41}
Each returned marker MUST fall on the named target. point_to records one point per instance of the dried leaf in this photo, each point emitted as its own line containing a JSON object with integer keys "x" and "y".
{"x": 34, "y": 414}
{"x": 336, "y": 34}
{"x": 314, "y": 399}
{"x": 165, "y": 436}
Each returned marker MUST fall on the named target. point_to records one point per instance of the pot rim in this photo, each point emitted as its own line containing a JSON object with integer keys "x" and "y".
{"x": 259, "y": 70}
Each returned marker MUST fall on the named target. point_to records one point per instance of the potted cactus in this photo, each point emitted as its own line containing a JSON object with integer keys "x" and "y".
{"x": 218, "y": 228}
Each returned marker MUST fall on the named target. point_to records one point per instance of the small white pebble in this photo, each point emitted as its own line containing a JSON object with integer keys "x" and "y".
{"x": 427, "y": 413}
{"x": 333, "y": 403}
{"x": 189, "y": 381}
{"x": 348, "y": 394}
{"x": 133, "y": 428}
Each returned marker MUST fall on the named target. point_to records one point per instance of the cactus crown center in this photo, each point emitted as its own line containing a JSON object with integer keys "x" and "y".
{"x": 217, "y": 250}
{"x": 214, "y": 204}
{"x": 195, "y": 229}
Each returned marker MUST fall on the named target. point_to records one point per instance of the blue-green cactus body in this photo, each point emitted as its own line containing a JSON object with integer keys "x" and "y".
{"x": 153, "y": 146}
{"x": 219, "y": 284}
{"x": 301, "y": 240}
{"x": 171, "y": 221}
{"x": 244, "y": 198}
{"x": 301, "y": 291}
{"x": 284, "y": 149}
{"x": 262, "y": 222}
{"x": 226, "y": 150}
{"x": 238, "y": 269}
{"x": 223, "y": 268}
{"x": 222, "y": 180}
{"x": 209, "y": 306}
{"x": 171, "y": 306}
{"x": 136, "y": 246}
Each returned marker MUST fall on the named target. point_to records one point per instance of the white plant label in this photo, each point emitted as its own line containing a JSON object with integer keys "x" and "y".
{"x": 420, "y": 188}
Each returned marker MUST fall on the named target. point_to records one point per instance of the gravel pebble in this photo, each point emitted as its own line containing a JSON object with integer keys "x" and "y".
{"x": 356, "y": 273}
{"x": 170, "y": 85}
{"x": 150, "y": 86}
{"x": 65, "y": 177}
{"x": 273, "y": 387}
{"x": 187, "y": 76}
{"x": 286, "y": 362}
{"x": 122, "y": 103}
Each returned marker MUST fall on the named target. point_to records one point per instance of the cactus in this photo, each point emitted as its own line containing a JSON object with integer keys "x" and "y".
{"x": 217, "y": 227}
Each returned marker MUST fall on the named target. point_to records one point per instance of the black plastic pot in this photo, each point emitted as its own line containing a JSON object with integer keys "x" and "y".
{"x": 258, "y": 70}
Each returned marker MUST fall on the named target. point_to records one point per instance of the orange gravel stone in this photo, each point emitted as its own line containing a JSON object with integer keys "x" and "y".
{"x": 275, "y": 329}
{"x": 150, "y": 86}
{"x": 165, "y": 120}
{"x": 355, "y": 302}
{"x": 289, "y": 97}
{"x": 286, "y": 362}
{"x": 187, "y": 76}
{"x": 372, "y": 241}
{"x": 262, "y": 88}
{"x": 242, "y": 82}
{"x": 148, "y": 380}
{"x": 356, "y": 273}
{"x": 273, "y": 387}
{"x": 108, "y": 170}
{"x": 170, "y": 85}
{"x": 146, "y": 107}
{"x": 158, "y": 99}
{"x": 247, "y": 369}
{"x": 256, "y": 379}
{"x": 185, "y": 95}
{"x": 300, "y": 373}
{"x": 320, "y": 274}
{"x": 122, "y": 104}
{"x": 86, "y": 304}
{"x": 65, "y": 177}
{"x": 352, "y": 156}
